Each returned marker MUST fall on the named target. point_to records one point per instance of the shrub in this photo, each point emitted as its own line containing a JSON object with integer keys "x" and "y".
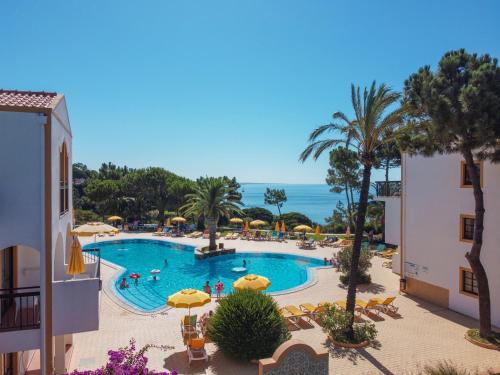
{"x": 345, "y": 256}
{"x": 292, "y": 219}
{"x": 126, "y": 361}
{"x": 247, "y": 325}
{"x": 258, "y": 213}
{"x": 335, "y": 322}
{"x": 85, "y": 216}
{"x": 444, "y": 368}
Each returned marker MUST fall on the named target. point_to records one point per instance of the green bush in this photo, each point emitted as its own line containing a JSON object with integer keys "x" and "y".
{"x": 258, "y": 213}
{"x": 444, "y": 368}
{"x": 292, "y": 219}
{"x": 85, "y": 216}
{"x": 335, "y": 323}
{"x": 345, "y": 256}
{"x": 247, "y": 325}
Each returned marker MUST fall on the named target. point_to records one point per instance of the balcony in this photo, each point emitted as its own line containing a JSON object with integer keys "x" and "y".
{"x": 19, "y": 309}
{"x": 388, "y": 189}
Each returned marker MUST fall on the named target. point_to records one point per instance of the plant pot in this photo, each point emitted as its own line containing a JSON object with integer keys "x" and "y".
{"x": 349, "y": 345}
{"x": 481, "y": 344}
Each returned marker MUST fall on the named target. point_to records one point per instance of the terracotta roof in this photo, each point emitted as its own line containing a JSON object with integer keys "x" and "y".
{"x": 27, "y": 99}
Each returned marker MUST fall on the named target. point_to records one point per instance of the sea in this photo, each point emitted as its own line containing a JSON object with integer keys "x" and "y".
{"x": 313, "y": 200}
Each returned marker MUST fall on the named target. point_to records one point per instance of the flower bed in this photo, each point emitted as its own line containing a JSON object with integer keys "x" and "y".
{"x": 473, "y": 336}
{"x": 126, "y": 361}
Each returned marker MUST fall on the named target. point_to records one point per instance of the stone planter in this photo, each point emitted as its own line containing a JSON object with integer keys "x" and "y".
{"x": 348, "y": 345}
{"x": 481, "y": 344}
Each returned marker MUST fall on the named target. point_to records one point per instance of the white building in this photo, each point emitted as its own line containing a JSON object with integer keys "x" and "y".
{"x": 437, "y": 221}
{"x": 40, "y": 306}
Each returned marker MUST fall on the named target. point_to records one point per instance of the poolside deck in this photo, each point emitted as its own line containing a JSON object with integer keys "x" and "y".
{"x": 423, "y": 334}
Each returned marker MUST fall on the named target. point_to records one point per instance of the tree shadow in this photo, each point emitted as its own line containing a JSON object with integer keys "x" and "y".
{"x": 373, "y": 288}
{"x": 179, "y": 361}
{"x": 220, "y": 364}
{"x": 370, "y": 358}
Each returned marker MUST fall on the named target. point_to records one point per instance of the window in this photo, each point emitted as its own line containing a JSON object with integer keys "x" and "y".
{"x": 63, "y": 180}
{"x": 468, "y": 282}
{"x": 465, "y": 180}
{"x": 466, "y": 228}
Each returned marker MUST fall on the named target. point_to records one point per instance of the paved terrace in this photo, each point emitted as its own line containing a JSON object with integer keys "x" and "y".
{"x": 422, "y": 334}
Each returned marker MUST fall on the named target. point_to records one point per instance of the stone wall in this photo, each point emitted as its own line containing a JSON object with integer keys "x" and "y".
{"x": 294, "y": 357}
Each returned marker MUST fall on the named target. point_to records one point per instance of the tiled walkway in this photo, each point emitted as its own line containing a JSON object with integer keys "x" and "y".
{"x": 422, "y": 334}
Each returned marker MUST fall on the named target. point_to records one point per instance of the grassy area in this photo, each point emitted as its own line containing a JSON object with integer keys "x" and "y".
{"x": 493, "y": 339}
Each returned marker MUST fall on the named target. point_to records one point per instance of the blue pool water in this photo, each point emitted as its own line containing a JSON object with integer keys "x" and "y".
{"x": 183, "y": 271}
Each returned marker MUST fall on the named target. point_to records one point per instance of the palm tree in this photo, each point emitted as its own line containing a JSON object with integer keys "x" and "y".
{"x": 365, "y": 134}
{"x": 212, "y": 198}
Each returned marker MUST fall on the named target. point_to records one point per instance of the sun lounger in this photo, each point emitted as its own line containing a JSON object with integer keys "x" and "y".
{"x": 341, "y": 304}
{"x": 228, "y": 236}
{"x": 158, "y": 231}
{"x": 196, "y": 350}
{"x": 188, "y": 325}
{"x": 386, "y": 305}
{"x": 235, "y": 236}
{"x": 311, "y": 310}
{"x": 367, "y": 307}
{"x": 293, "y": 315}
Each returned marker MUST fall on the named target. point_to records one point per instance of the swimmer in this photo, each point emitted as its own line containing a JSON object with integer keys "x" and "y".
{"x": 123, "y": 283}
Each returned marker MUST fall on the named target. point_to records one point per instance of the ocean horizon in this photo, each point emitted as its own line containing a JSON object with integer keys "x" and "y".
{"x": 316, "y": 201}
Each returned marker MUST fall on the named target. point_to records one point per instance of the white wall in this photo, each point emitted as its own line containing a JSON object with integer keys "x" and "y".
{"x": 76, "y": 306}
{"x": 28, "y": 267}
{"x": 60, "y": 223}
{"x": 21, "y": 176}
{"x": 433, "y": 203}
{"x": 392, "y": 219}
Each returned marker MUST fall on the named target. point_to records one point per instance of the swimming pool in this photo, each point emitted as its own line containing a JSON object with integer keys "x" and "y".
{"x": 182, "y": 270}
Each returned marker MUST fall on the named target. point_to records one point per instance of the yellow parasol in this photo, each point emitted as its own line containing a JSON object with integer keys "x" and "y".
{"x": 115, "y": 218}
{"x": 303, "y": 228}
{"x": 236, "y": 220}
{"x": 318, "y": 230}
{"x": 90, "y": 229}
{"x": 283, "y": 227}
{"x": 257, "y": 223}
{"x": 179, "y": 219}
{"x": 187, "y": 298}
{"x": 254, "y": 282}
{"x": 76, "y": 263}
{"x": 277, "y": 227}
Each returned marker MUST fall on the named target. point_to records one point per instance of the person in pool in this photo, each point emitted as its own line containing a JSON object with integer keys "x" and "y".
{"x": 165, "y": 262}
{"x": 244, "y": 263}
{"x": 207, "y": 289}
{"x": 123, "y": 283}
{"x": 219, "y": 287}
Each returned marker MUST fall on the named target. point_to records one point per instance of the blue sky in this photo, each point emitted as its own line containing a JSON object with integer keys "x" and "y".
{"x": 223, "y": 87}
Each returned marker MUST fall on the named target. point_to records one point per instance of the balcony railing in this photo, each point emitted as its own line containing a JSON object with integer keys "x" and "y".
{"x": 19, "y": 308}
{"x": 388, "y": 189}
{"x": 93, "y": 256}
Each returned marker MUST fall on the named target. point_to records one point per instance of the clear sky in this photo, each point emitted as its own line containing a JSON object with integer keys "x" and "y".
{"x": 223, "y": 87}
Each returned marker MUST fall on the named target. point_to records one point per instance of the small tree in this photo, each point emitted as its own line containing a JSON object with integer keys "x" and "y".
{"x": 457, "y": 110}
{"x": 362, "y": 276}
{"x": 211, "y": 199}
{"x": 275, "y": 197}
{"x": 344, "y": 176}
{"x": 247, "y": 325}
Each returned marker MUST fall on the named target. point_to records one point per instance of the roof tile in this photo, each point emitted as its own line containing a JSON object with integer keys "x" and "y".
{"x": 26, "y": 99}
